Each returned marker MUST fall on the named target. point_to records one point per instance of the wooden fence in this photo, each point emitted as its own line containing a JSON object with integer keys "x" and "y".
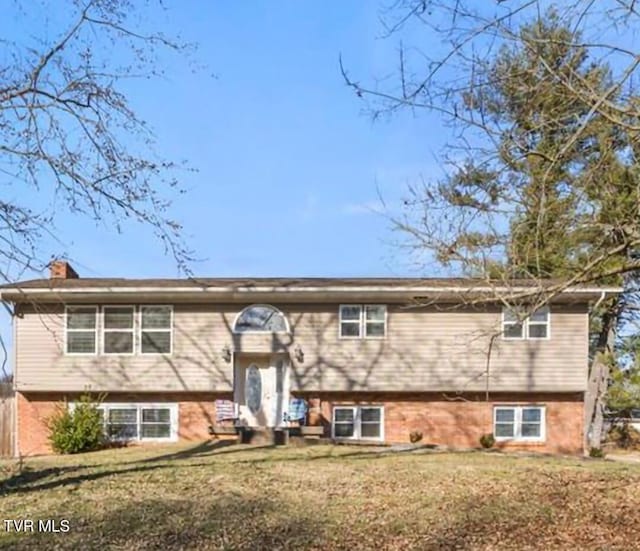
{"x": 7, "y": 412}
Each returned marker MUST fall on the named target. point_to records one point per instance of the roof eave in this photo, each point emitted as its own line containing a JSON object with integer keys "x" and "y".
{"x": 16, "y": 294}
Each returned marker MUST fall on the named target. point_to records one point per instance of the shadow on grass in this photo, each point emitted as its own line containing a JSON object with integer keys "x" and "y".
{"x": 57, "y": 477}
{"x": 229, "y": 522}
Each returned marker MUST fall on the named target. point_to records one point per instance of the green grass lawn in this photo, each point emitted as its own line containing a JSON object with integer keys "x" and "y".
{"x": 322, "y": 497}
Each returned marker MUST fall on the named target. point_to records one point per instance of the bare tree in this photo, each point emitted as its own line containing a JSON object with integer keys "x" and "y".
{"x": 68, "y": 133}
{"x": 70, "y": 140}
{"x": 543, "y": 180}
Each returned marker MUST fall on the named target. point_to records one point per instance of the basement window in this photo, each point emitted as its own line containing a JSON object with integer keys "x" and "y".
{"x": 139, "y": 421}
{"x": 519, "y": 423}
{"x": 358, "y": 423}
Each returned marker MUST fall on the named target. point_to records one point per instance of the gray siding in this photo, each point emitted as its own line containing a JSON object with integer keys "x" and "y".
{"x": 425, "y": 349}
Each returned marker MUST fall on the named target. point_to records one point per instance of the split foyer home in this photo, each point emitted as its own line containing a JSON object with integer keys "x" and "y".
{"x": 384, "y": 360}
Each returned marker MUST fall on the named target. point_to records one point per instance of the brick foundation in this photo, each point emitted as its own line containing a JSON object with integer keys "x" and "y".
{"x": 196, "y": 411}
{"x": 459, "y": 421}
{"x": 456, "y": 421}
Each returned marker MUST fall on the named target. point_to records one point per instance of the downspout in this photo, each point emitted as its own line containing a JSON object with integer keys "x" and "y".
{"x": 603, "y": 295}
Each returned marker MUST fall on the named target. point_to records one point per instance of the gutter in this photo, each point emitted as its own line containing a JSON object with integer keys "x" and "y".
{"x": 248, "y": 290}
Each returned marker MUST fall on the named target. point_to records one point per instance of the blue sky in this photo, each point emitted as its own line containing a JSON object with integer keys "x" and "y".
{"x": 289, "y": 168}
{"x": 288, "y": 165}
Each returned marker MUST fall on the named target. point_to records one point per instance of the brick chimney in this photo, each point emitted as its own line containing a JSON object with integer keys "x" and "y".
{"x": 61, "y": 269}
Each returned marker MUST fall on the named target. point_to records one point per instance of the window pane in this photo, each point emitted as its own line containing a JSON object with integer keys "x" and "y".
{"x": 122, "y": 431}
{"x": 123, "y": 415}
{"x": 350, "y": 313}
{"x": 531, "y": 415}
{"x": 505, "y": 415}
{"x": 370, "y": 430}
{"x": 118, "y": 342}
{"x": 81, "y": 318}
{"x": 504, "y": 430}
{"x": 350, "y": 329}
{"x": 375, "y": 329}
{"x": 156, "y": 431}
{"x": 156, "y": 415}
{"x": 81, "y": 342}
{"x": 118, "y": 318}
{"x": 510, "y": 315}
{"x": 370, "y": 414}
{"x": 540, "y": 315}
{"x": 122, "y": 423}
{"x": 375, "y": 313}
{"x": 260, "y": 318}
{"x": 512, "y": 331}
{"x": 343, "y": 414}
{"x": 156, "y": 342}
{"x": 537, "y": 331}
{"x": 530, "y": 430}
{"x": 343, "y": 430}
{"x": 156, "y": 317}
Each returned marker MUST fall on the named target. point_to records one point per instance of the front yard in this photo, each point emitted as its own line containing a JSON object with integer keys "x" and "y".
{"x": 207, "y": 496}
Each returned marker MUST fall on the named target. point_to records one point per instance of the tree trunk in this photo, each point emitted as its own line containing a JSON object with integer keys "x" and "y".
{"x": 594, "y": 400}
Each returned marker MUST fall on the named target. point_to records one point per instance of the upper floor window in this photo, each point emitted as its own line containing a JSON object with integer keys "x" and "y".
{"x": 536, "y": 326}
{"x": 117, "y": 330}
{"x": 156, "y": 335}
{"x": 260, "y": 318}
{"x": 81, "y": 329}
{"x": 363, "y": 321}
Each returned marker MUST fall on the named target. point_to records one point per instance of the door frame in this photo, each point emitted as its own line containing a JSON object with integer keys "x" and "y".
{"x": 266, "y": 360}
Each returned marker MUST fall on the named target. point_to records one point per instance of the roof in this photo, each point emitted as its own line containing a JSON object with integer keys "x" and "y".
{"x": 248, "y": 282}
{"x": 270, "y": 289}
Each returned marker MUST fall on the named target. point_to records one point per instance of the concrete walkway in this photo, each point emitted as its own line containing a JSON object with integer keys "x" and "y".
{"x": 631, "y": 457}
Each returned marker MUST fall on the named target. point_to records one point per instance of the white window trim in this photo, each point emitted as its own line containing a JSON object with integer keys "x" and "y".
{"x": 66, "y": 329}
{"x": 525, "y": 327}
{"x": 350, "y": 322}
{"x": 139, "y": 406}
{"x": 517, "y": 420}
{"x": 362, "y": 322}
{"x": 287, "y": 330}
{"x": 104, "y": 330}
{"x": 140, "y": 330}
{"x": 357, "y": 422}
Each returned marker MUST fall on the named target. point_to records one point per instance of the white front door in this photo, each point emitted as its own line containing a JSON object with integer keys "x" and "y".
{"x": 262, "y": 390}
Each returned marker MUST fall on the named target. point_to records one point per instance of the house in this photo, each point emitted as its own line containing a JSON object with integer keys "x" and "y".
{"x": 377, "y": 359}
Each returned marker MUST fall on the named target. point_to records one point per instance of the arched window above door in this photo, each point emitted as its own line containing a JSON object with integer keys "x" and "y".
{"x": 260, "y": 318}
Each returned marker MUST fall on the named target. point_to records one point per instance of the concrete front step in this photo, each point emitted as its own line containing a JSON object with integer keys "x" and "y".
{"x": 263, "y": 436}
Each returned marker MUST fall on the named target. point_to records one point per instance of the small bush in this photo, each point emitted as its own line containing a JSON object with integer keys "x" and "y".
{"x": 415, "y": 436}
{"x": 623, "y": 435}
{"x": 76, "y": 431}
{"x": 596, "y": 453}
{"x": 487, "y": 441}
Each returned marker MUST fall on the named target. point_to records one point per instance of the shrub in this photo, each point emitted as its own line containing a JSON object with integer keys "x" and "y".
{"x": 415, "y": 436}
{"x": 596, "y": 453}
{"x": 78, "y": 430}
{"x": 487, "y": 441}
{"x": 623, "y": 435}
